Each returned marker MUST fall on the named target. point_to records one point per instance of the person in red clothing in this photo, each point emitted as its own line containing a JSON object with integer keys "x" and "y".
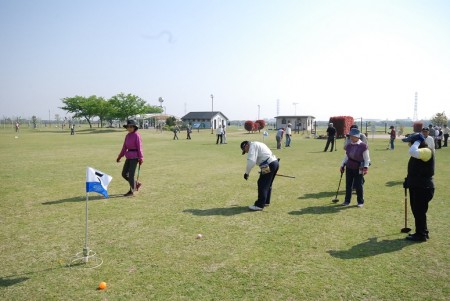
{"x": 132, "y": 150}
{"x": 392, "y": 136}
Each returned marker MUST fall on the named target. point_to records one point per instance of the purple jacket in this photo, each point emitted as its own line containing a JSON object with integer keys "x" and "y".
{"x": 132, "y": 147}
{"x": 355, "y": 154}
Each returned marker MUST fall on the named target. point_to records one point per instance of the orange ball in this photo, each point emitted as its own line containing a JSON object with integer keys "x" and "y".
{"x": 102, "y": 285}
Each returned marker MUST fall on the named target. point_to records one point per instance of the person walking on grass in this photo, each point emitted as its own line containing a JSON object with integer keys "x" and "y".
{"x": 219, "y": 133}
{"x": 259, "y": 154}
{"x": 133, "y": 152}
{"x": 176, "y": 129}
{"x": 188, "y": 132}
{"x": 331, "y": 136}
{"x": 419, "y": 182}
{"x": 356, "y": 165}
{"x": 279, "y": 137}
{"x": 288, "y": 135}
{"x": 392, "y": 136}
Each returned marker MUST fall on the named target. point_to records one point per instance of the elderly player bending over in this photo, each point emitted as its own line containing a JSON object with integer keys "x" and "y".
{"x": 259, "y": 154}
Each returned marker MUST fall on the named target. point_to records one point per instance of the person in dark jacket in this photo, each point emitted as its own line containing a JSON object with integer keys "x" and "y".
{"x": 356, "y": 165}
{"x": 419, "y": 182}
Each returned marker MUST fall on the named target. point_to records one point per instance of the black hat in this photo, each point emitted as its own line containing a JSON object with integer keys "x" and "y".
{"x": 391, "y": 127}
{"x": 426, "y": 129}
{"x": 243, "y": 145}
{"x": 131, "y": 122}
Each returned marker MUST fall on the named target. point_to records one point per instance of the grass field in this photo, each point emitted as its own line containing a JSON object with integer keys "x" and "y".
{"x": 302, "y": 247}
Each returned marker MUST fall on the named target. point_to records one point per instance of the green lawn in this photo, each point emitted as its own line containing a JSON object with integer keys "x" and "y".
{"x": 302, "y": 247}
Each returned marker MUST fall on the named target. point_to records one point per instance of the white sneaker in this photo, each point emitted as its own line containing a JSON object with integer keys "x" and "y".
{"x": 255, "y": 208}
{"x": 360, "y": 205}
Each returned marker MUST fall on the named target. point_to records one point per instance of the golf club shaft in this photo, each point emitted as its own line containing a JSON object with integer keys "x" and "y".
{"x": 285, "y": 176}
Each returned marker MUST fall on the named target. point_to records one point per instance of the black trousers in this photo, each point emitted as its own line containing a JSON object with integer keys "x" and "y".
{"x": 419, "y": 199}
{"x": 329, "y": 140}
{"x": 219, "y": 137}
{"x": 265, "y": 185}
{"x": 128, "y": 171}
{"x": 353, "y": 179}
{"x": 445, "y": 140}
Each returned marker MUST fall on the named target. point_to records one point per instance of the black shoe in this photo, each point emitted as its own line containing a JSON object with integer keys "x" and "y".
{"x": 129, "y": 193}
{"x": 416, "y": 238}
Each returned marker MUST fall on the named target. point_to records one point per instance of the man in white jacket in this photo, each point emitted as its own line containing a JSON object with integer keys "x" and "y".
{"x": 259, "y": 154}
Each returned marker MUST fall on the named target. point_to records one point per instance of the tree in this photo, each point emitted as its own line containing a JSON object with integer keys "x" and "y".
{"x": 249, "y": 125}
{"x": 439, "y": 119}
{"x": 81, "y": 107}
{"x": 126, "y": 106}
{"x": 102, "y": 109}
{"x": 171, "y": 121}
{"x": 261, "y": 124}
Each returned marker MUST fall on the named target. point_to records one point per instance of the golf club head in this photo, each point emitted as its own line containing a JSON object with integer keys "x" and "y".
{"x": 406, "y": 230}
{"x": 335, "y": 200}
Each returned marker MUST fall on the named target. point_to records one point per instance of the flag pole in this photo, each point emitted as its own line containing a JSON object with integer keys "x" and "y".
{"x": 86, "y": 248}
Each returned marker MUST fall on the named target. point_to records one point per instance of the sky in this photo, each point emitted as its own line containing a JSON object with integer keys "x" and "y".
{"x": 258, "y": 58}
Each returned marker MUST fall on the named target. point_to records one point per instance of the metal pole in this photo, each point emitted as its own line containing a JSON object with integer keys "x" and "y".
{"x": 212, "y": 112}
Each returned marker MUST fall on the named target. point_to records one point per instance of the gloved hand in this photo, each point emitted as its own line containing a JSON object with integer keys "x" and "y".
{"x": 421, "y": 138}
{"x": 118, "y": 159}
{"x": 365, "y": 170}
{"x": 246, "y": 176}
{"x": 342, "y": 169}
{"x": 141, "y": 161}
{"x": 405, "y": 184}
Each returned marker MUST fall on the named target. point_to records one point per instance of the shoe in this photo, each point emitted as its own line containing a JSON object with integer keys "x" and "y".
{"x": 138, "y": 184}
{"x": 360, "y": 205}
{"x": 255, "y": 208}
{"x": 416, "y": 238}
{"x": 426, "y": 235}
{"x": 129, "y": 193}
{"x": 345, "y": 204}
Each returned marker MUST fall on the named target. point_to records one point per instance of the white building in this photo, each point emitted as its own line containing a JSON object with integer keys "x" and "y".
{"x": 298, "y": 123}
{"x": 205, "y": 119}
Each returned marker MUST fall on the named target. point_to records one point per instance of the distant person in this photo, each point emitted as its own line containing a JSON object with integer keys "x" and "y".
{"x": 72, "y": 129}
{"x": 176, "y": 129}
{"x": 259, "y": 154}
{"x": 224, "y": 135}
{"x": 331, "y": 136}
{"x": 362, "y": 137}
{"x": 133, "y": 152}
{"x": 445, "y": 132}
{"x": 392, "y": 136}
{"x": 419, "y": 181}
{"x": 439, "y": 136}
{"x": 219, "y": 133}
{"x": 432, "y": 133}
{"x": 279, "y": 137}
{"x": 288, "y": 135}
{"x": 429, "y": 140}
{"x": 17, "y": 126}
{"x": 356, "y": 165}
{"x": 188, "y": 132}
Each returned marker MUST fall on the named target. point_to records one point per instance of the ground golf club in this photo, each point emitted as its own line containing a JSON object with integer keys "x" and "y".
{"x": 335, "y": 200}
{"x": 291, "y": 177}
{"x": 406, "y": 229}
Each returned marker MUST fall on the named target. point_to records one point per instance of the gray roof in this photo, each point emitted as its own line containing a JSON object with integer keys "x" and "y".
{"x": 202, "y": 115}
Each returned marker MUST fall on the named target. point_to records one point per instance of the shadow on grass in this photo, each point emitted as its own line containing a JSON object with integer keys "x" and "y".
{"x": 394, "y": 183}
{"x": 319, "y": 195}
{"x": 5, "y": 282}
{"x": 81, "y": 199}
{"x": 371, "y": 247}
{"x": 228, "y": 211}
{"x": 321, "y": 209}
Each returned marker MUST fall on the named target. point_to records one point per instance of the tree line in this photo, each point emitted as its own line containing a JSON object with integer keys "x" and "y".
{"x": 118, "y": 107}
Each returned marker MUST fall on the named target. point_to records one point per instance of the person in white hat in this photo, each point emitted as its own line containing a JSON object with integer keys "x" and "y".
{"x": 356, "y": 165}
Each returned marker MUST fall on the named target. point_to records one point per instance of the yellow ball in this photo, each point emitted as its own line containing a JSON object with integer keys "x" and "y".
{"x": 102, "y": 285}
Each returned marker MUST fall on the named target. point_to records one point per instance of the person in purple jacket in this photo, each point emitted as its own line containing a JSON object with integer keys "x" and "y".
{"x": 132, "y": 150}
{"x": 356, "y": 164}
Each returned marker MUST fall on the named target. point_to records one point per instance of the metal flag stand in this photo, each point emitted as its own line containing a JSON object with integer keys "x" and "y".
{"x": 86, "y": 258}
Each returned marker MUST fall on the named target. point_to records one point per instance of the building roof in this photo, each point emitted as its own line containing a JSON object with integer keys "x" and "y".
{"x": 202, "y": 115}
{"x": 294, "y": 116}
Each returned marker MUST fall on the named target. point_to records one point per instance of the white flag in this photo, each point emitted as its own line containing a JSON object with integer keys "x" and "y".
{"x": 97, "y": 181}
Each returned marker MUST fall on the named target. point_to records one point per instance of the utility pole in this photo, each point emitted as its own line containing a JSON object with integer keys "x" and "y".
{"x": 212, "y": 112}
{"x": 295, "y": 108}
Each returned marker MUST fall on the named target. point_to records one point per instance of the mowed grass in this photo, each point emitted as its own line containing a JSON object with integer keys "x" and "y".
{"x": 302, "y": 247}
